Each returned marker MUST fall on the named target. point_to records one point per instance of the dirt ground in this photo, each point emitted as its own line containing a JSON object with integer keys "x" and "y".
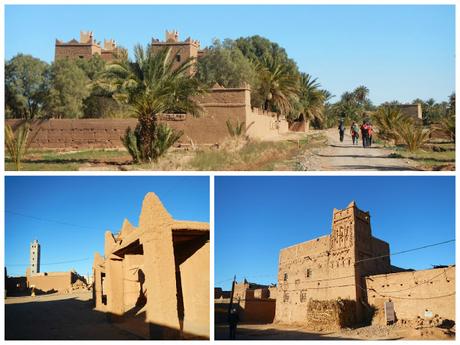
{"x": 58, "y": 317}
{"x": 338, "y": 155}
{"x": 285, "y": 332}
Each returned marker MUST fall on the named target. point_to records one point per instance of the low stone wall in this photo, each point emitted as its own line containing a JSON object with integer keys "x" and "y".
{"x": 416, "y": 294}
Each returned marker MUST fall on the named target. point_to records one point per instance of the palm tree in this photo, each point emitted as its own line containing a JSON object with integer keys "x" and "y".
{"x": 152, "y": 85}
{"x": 311, "y": 98}
{"x": 278, "y": 85}
{"x": 360, "y": 94}
{"x": 388, "y": 120}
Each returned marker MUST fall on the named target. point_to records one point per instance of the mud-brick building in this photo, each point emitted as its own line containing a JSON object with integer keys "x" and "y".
{"x": 255, "y": 303}
{"x": 85, "y": 48}
{"x": 332, "y": 278}
{"x": 180, "y": 51}
{"x": 154, "y": 278}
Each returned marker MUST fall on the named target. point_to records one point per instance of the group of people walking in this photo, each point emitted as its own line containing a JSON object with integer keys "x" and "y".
{"x": 366, "y": 130}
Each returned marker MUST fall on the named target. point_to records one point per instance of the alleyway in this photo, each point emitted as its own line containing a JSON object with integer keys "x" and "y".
{"x": 344, "y": 156}
{"x": 58, "y": 317}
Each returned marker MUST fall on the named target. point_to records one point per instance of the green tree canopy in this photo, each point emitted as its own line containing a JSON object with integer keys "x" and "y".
{"x": 69, "y": 87}
{"x": 26, "y": 86}
{"x": 225, "y": 64}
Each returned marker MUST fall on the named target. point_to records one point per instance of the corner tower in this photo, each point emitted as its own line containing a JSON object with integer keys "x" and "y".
{"x": 180, "y": 50}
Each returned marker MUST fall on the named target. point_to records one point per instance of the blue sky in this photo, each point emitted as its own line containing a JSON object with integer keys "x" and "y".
{"x": 257, "y": 216}
{"x": 93, "y": 205}
{"x": 398, "y": 52}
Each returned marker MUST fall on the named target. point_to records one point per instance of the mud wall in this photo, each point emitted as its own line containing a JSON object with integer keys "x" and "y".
{"x": 307, "y": 272}
{"x": 264, "y": 125}
{"x": 258, "y": 310}
{"x": 414, "y": 293}
{"x": 219, "y": 105}
{"x": 52, "y": 281}
{"x": 133, "y": 281}
{"x": 196, "y": 292}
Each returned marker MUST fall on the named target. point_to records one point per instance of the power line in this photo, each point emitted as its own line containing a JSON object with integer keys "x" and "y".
{"x": 405, "y": 251}
{"x": 52, "y": 263}
{"x": 425, "y": 282}
{"x": 367, "y": 259}
{"x": 50, "y": 220}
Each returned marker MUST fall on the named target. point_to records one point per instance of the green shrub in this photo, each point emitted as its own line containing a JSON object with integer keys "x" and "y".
{"x": 237, "y": 130}
{"x": 414, "y": 137}
{"x": 17, "y": 143}
{"x": 388, "y": 122}
{"x": 160, "y": 137}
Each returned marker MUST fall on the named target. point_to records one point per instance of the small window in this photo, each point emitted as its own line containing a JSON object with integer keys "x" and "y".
{"x": 285, "y": 278}
{"x": 303, "y": 296}
{"x": 286, "y": 297}
{"x": 178, "y": 57}
{"x": 81, "y": 56}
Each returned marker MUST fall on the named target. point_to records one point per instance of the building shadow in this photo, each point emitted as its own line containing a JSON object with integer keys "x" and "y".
{"x": 73, "y": 319}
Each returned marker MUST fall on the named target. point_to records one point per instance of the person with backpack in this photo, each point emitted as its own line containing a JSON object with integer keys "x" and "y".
{"x": 341, "y": 129}
{"x": 365, "y": 133}
{"x": 370, "y": 131}
{"x": 354, "y": 131}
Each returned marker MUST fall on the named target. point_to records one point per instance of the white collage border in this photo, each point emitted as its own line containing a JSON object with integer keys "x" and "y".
{"x": 211, "y": 174}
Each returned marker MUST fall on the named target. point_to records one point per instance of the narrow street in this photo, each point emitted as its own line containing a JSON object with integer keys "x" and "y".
{"x": 58, "y": 317}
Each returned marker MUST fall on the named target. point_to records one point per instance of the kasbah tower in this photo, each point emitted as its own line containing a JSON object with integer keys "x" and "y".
{"x": 332, "y": 266}
{"x": 87, "y": 47}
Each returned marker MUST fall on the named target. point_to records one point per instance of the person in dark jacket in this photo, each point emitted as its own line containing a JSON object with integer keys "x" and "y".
{"x": 341, "y": 129}
{"x": 233, "y": 319}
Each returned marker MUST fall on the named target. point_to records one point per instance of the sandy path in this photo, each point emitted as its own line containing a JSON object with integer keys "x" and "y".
{"x": 63, "y": 317}
{"x": 345, "y": 156}
{"x": 285, "y": 332}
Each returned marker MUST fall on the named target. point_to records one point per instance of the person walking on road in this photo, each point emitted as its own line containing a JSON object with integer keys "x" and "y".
{"x": 365, "y": 134}
{"x": 354, "y": 131}
{"x": 341, "y": 129}
{"x": 370, "y": 131}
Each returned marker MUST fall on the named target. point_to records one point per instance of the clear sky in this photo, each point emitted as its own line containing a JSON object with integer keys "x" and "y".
{"x": 91, "y": 205}
{"x": 398, "y": 52}
{"x": 257, "y": 216}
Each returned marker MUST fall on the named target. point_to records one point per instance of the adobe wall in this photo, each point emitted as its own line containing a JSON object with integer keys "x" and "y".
{"x": 249, "y": 310}
{"x": 329, "y": 278}
{"x": 15, "y": 285}
{"x": 77, "y": 134}
{"x": 411, "y": 110}
{"x": 329, "y": 267}
{"x": 264, "y": 125}
{"x": 58, "y": 281}
{"x": 219, "y": 105}
{"x": 413, "y": 293}
{"x": 132, "y": 277}
{"x": 196, "y": 292}
{"x": 258, "y": 310}
{"x": 74, "y": 51}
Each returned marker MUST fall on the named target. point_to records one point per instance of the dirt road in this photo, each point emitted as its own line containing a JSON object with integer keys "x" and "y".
{"x": 284, "y": 332}
{"x": 58, "y": 317}
{"x": 338, "y": 155}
